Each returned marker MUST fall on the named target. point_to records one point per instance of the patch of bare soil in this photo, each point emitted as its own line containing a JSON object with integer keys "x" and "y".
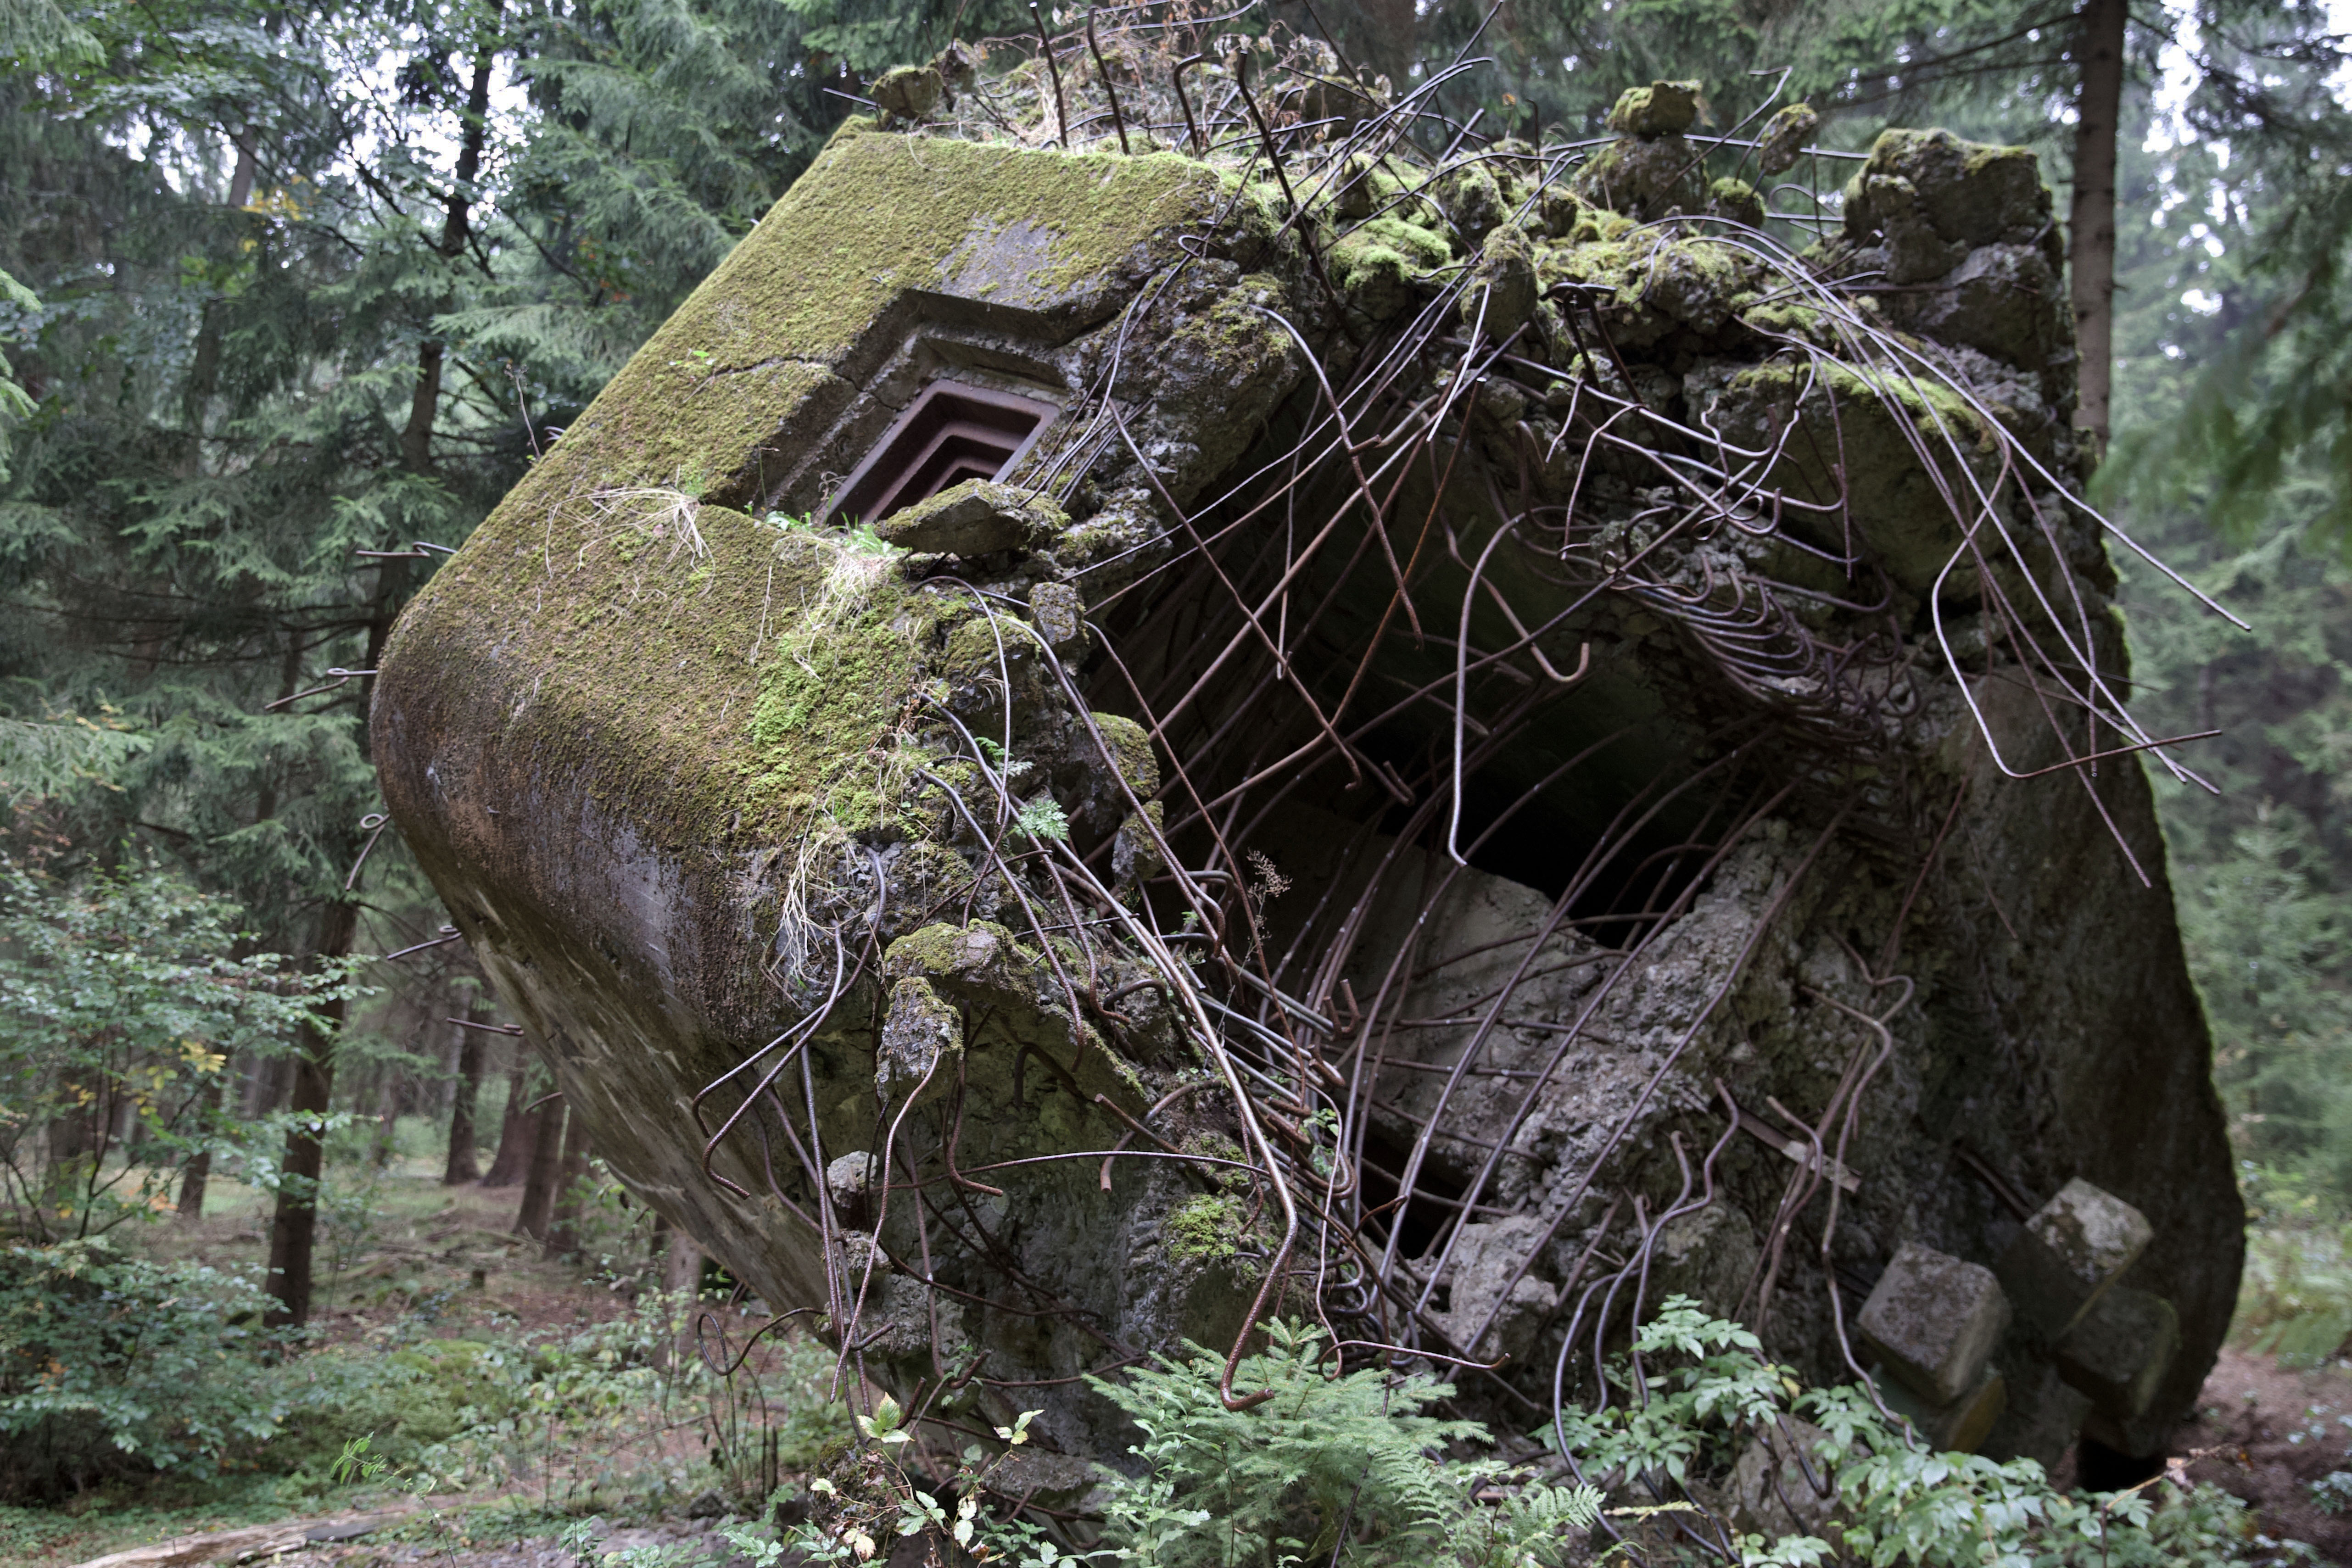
{"x": 2265, "y": 1434}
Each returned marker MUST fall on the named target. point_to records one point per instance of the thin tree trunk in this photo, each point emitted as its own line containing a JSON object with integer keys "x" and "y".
{"x": 203, "y": 372}
{"x": 681, "y": 1262}
{"x": 457, "y": 228}
{"x": 387, "y": 1119}
{"x": 294, "y": 1228}
{"x": 564, "y": 1220}
{"x": 546, "y": 1170}
{"x": 462, "y": 1166}
{"x": 198, "y": 1172}
{"x": 2091, "y": 260}
{"x": 518, "y": 1127}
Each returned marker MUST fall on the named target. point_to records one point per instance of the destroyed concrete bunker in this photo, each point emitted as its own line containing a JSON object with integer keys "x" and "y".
{"x": 1089, "y": 746}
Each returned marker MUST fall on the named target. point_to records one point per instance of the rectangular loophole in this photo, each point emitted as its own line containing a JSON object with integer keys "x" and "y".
{"x": 953, "y": 431}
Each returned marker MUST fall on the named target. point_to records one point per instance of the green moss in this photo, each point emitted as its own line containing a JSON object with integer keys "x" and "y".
{"x": 1130, "y": 748}
{"x": 1788, "y": 318}
{"x": 1417, "y": 245}
{"x": 661, "y": 683}
{"x": 1208, "y": 1228}
{"x": 876, "y": 215}
{"x": 1736, "y": 200}
{"x": 1662, "y": 109}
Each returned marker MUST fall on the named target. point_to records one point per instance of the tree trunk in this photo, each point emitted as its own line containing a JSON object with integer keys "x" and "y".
{"x": 563, "y": 1222}
{"x": 462, "y": 1166}
{"x": 2091, "y": 259}
{"x": 518, "y": 1127}
{"x": 294, "y": 1229}
{"x": 546, "y": 1170}
{"x": 204, "y": 373}
{"x": 681, "y": 1263}
{"x": 389, "y": 1089}
{"x": 198, "y": 1172}
{"x": 457, "y": 228}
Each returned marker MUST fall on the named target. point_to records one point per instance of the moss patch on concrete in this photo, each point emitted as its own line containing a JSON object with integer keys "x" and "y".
{"x": 876, "y": 215}
{"x": 686, "y": 682}
{"x": 1206, "y": 1228}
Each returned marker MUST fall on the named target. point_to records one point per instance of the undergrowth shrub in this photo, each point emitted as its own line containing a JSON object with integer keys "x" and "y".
{"x": 112, "y": 1365}
{"x": 1348, "y": 1469}
{"x": 2294, "y": 1298}
{"x": 1361, "y": 1469}
{"x": 115, "y": 1367}
{"x": 1704, "y": 1390}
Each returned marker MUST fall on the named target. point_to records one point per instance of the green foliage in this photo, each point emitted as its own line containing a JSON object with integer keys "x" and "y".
{"x": 1351, "y": 1463}
{"x": 2295, "y": 1299}
{"x": 1685, "y": 1415}
{"x": 120, "y": 1009}
{"x": 1704, "y": 1390}
{"x": 112, "y": 1365}
{"x": 1040, "y": 820}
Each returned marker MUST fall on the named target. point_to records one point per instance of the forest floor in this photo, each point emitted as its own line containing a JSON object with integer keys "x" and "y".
{"x": 411, "y": 1246}
{"x": 2265, "y": 1433}
{"x": 2262, "y": 1433}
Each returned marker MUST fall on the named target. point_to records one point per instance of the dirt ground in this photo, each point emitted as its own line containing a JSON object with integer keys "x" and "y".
{"x": 2265, "y": 1434}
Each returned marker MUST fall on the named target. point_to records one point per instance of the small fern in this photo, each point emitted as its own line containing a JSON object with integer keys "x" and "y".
{"x": 1041, "y": 821}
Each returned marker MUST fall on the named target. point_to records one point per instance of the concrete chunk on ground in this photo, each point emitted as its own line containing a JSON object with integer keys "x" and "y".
{"x": 1958, "y": 1426}
{"x": 2069, "y": 1252}
{"x": 2121, "y": 1350}
{"x": 1934, "y": 1320}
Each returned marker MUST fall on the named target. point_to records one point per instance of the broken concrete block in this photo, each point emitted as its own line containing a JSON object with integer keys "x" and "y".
{"x": 1934, "y": 1321}
{"x": 908, "y": 92}
{"x": 853, "y": 1180}
{"x": 975, "y": 517}
{"x": 1785, "y": 135}
{"x": 2140, "y": 1437}
{"x": 683, "y": 804}
{"x": 2042, "y": 1415}
{"x": 1501, "y": 293}
{"x": 1060, "y": 617}
{"x": 1958, "y": 1426}
{"x": 1662, "y": 109}
{"x": 2070, "y": 1252}
{"x": 2120, "y": 1349}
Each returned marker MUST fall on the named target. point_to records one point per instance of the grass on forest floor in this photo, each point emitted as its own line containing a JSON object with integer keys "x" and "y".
{"x": 532, "y": 1390}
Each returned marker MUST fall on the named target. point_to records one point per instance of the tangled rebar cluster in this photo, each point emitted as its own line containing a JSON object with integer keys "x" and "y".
{"x": 1421, "y": 791}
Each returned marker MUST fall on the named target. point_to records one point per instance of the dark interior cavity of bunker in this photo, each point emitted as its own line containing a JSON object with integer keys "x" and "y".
{"x": 1092, "y": 748}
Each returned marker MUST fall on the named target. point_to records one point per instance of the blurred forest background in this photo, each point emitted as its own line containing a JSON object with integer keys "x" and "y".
{"x": 289, "y": 295}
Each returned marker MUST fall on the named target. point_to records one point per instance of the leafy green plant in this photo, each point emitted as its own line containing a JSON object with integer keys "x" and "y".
{"x": 1703, "y": 1389}
{"x": 2294, "y": 1296}
{"x": 1318, "y": 1466}
{"x": 120, "y": 1009}
{"x": 1040, "y": 820}
{"x": 112, "y": 1365}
